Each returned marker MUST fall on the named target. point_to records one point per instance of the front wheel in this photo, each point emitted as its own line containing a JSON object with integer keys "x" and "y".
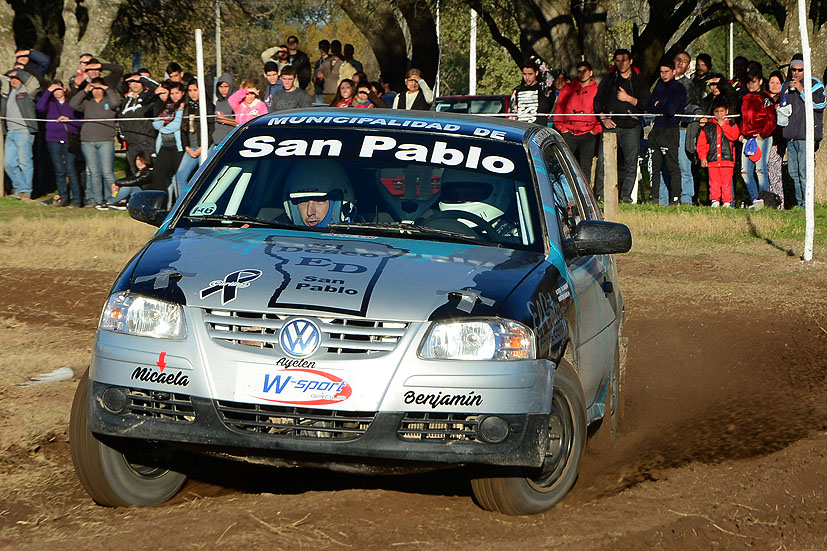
{"x": 536, "y": 490}
{"x": 108, "y": 475}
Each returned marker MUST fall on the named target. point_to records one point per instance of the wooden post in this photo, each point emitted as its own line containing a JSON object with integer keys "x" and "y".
{"x": 610, "y": 210}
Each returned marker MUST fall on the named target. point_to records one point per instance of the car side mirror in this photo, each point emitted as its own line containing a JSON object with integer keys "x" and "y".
{"x": 149, "y": 207}
{"x": 597, "y": 237}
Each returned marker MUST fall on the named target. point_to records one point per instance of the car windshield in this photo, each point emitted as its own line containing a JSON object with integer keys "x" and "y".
{"x": 417, "y": 185}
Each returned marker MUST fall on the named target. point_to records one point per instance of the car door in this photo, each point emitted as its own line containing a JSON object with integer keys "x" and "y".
{"x": 589, "y": 276}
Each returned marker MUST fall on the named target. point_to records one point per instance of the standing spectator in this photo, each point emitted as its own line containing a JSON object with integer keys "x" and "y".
{"x": 344, "y": 94}
{"x": 716, "y": 150}
{"x": 291, "y": 96}
{"x": 329, "y": 71}
{"x": 388, "y": 95}
{"x": 191, "y": 134}
{"x": 35, "y": 63}
{"x": 667, "y": 99}
{"x": 795, "y": 132}
{"x": 93, "y": 69}
{"x": 528, "y": 100}
{"x": 299, "y": 61}
{"x": 245, "y": 103}
{"x": 271, "y": 73}
{"x": 169, "y": 148}
{"x": 622, "y": 92}
{"x": 418, "y": 95}
{"x": 355, "y": 63}
{"x": 774, "y": 162}
{"x": 346, "y": 70}
{"x": 278, "y": 55}
{"x": 61, "y": 127}
{"x": 318, "y": 76}
{"x": 175, "y": 73}
{"x": 698, "y": 89}
{"x": 16, "y": 104}
{"x": 757, "y": 121}
{"x": 720, "y": 88}
{"x": 224, "y": 115}
{"x": 739, "y": 73}
{"x": 98, "y": 101}
{"x": 580, "y": 133}
{"x": 137, "y": 107}
{"x": 688, "y": 191}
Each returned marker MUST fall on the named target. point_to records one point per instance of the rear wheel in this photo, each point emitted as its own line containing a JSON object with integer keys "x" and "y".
{"x": 532, "y": 491}
{"x": 108, "y": 475}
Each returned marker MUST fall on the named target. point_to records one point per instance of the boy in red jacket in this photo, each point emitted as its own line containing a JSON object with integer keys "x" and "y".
{"x": 757, "y": 121}
{"x": 715, "y": 148}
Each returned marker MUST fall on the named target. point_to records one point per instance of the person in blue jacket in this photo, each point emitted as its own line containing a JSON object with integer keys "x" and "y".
{"x": 667, "y": 99}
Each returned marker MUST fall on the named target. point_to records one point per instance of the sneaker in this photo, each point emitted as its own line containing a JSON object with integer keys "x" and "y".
{"x": 758, "y": 204}
{"x": 716, "y": 204}
{"x": 22, "y": 196}
{"x": 120, "y": 205}
{"x": 103, "y": 205}
{"x": 727, "y": 205}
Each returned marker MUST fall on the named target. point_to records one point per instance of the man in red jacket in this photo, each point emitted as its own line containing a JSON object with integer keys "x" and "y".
{"x": 580, "y": 133}
{"x": 757, "y": 121}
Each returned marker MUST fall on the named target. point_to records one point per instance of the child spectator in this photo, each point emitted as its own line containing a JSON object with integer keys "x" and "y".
{"x": 245, "y": 103}
{"x": 715, "y": 149}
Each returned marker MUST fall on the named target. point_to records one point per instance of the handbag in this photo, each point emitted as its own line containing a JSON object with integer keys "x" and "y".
{"x": 73, "y": 143}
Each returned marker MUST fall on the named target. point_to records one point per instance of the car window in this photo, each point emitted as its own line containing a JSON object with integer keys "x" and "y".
{"x": 567, "y": 204}
{"x": 478, "y": 189}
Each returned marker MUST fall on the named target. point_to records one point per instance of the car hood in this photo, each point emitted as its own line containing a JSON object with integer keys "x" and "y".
{"x": 262, "y": 270}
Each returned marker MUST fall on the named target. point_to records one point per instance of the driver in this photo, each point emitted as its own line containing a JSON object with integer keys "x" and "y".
{"x": 486, "y": 196}
{"x": 318, "y": 193}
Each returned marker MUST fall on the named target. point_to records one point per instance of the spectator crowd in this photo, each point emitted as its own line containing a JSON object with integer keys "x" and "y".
{"x": 705, "y": 127}
{"x": 706, "y": 130}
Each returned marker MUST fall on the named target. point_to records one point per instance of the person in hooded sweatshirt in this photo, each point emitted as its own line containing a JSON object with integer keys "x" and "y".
{"x": 191, "y": 134}
{"x": 224, "y": 115}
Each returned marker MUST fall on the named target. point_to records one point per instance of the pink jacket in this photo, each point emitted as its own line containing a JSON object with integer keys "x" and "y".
{"x": 244, "y": 112}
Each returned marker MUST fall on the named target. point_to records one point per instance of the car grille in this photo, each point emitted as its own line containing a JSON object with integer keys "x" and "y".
{"x": 438, "y": 427}
{"x": 339, "y": 335}
{"x": 160, "y": 405}
{"x": 294, "y": 422}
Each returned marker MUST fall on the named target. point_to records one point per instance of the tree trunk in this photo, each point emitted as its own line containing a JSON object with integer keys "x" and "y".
{"x": 88, "y": 24}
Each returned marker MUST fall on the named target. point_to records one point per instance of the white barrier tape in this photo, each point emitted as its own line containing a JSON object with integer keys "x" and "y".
{"x": 121, "y": 119}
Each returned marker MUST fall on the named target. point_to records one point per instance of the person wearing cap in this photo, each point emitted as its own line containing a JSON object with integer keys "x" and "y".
{"x": 16, "y": 106}
{"x": 245, "y": 103}
{"x": 795, "y": 132}
{"x": 138, "y": 104}
{"x": 757, "y": 121}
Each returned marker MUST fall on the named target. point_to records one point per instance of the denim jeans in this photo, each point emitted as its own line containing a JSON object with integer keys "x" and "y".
{"x": 750, "y": 169}
{"x": 687, "y": 182}
{"x": 19, "y": 162}
{"x": 797, "y": 167}
{"x": 64, "y": 164}
{"x": 100, "y": 158}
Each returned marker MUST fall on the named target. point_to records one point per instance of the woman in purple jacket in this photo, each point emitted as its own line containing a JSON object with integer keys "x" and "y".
{"x": 54, "y": 106}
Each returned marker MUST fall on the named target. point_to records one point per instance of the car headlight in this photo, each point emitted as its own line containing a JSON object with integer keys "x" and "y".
{"x": 146, "y": 317}
{"x": 479, "y": 339}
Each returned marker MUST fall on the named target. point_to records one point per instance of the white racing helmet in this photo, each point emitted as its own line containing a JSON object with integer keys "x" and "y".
{"x": 318, "y": 179}
{"x": 485, "y": 195}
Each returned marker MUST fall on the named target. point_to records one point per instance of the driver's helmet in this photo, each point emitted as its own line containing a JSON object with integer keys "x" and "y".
{"x": 485, "y": 195}
{"x": 319, "y": 179}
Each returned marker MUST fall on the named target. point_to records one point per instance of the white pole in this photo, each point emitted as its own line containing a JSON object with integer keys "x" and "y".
{"x": 217, "y": 38}
{"x": 809, "y": 225}
{"x": 472, "y": 58}
{"x": 439, "y": 48}
{"x": 731, "y": 51}
{"x": 202, "y": 91}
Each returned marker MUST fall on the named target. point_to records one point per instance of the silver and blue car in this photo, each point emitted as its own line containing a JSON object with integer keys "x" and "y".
{"x": 374, "y": 291}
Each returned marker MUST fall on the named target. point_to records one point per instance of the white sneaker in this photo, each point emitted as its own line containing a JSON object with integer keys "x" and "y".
{"x": 727, "y": 205}
{"x": 758, "y": 204}
{"x": 716, "y": 204}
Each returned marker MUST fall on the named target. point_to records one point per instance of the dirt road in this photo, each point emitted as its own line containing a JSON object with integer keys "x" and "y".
{"x": 723, "y": 444}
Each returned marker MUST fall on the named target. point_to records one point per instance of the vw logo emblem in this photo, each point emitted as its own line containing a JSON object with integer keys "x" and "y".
{"x": 300, "y": 337}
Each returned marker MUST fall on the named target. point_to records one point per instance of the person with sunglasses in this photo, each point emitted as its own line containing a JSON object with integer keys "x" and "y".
{"x": 795, "y": 132}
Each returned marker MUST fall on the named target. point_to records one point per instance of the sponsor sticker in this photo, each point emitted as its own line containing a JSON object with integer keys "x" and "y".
{"x": 443, "y": 399}
{"x": 203, "y": 209}
{"x": 291, "y": 386}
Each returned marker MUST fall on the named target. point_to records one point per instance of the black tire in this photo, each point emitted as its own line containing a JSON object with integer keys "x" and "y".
{"x": 107, "y": 474}
{"x": 532, "y": 491}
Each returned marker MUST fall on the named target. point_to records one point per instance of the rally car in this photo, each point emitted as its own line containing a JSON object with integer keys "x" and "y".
{"x": 298, "y": 308}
